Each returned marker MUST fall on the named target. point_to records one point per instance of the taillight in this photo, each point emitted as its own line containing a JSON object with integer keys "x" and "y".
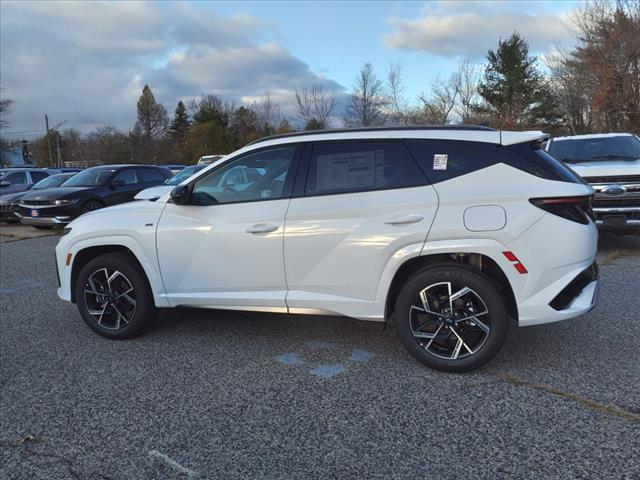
{"x": 576, "y": 209}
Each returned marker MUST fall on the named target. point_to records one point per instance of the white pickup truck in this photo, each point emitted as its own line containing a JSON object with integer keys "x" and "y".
{"x": 610, "y": 163}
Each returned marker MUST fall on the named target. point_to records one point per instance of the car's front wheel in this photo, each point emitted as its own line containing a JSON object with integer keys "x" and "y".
{"x": 90, "y": 206}
{"x": 451, "y": 318}
{"x": 113, "y": 296}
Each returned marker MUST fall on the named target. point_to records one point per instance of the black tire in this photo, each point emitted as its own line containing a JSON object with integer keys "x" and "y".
{"x": 481, "y": 286}
{"x": 90, "y": 206}
{"x": 143, "y": 312}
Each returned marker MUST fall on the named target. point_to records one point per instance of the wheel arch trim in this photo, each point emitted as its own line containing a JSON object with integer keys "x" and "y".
{"x": 414, "y": 258}
{"x": 104, "y": 245}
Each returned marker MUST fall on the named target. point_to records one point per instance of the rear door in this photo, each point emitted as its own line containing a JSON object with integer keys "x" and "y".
{"x": 357, "y": 205}
{"x": 124, "y": 186}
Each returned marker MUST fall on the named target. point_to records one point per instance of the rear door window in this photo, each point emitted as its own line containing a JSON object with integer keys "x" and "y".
{"x": 128, "y": 177}
{"x": 37, "y": 176}
{"x": 344, "y": 167}
{"x": 148, "y": 175}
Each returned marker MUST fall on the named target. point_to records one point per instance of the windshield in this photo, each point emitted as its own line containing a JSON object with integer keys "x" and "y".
{"x": 91, "y": 177}
{"x": 50, "y": 182}
{"x": 183, "y": 174}
{"x": 594, "y": 149}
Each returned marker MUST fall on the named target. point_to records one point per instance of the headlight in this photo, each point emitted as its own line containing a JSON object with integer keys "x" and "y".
{"x": 65, "y": 201}
{"x": 66, "y": 230}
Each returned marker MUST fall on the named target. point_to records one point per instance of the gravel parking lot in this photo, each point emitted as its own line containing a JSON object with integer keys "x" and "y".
{"x": 233, "y": 395}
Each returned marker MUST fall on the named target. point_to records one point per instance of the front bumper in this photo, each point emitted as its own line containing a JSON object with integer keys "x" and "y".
{"x": 45, "y": 215}
{"x": 44, "y": 221}
{"x": 617, "y": 217}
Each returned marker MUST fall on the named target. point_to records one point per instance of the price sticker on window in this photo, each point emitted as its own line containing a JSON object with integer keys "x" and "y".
{"x": 440, "y": 161}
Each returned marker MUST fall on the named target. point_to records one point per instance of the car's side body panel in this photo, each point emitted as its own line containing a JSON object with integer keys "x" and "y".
{"x": 337, "y": 246}
{"x": 209, "y": 258}
{"x": 132, "y": 226}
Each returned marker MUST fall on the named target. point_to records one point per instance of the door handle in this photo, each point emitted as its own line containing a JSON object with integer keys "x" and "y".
{"x": 262, "y": 228}
{"x": 402, "y": 219}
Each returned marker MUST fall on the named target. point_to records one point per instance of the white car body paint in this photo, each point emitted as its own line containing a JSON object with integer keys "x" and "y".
{"x": 153, "y": 193}
{"x": 339, "y": 253}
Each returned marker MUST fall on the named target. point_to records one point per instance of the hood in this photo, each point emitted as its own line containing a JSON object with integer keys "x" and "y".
{"x": 606, "y": 168}
{"x": 10, "y": 198}
{"x": 153, "y": 193}
{"x": 55, "y": 193}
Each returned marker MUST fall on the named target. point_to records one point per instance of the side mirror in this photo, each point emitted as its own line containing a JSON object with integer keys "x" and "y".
{"x": 4, "y": 183}
{"x": 116, "y": 183}
{"x": 180, "y": 195}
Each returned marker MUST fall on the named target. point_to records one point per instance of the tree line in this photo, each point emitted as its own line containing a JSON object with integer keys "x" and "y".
{"x": 594, "y": 87}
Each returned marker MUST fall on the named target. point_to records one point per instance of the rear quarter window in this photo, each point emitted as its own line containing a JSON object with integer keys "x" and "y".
{"x": 442, "y": 160}
{"x": 468, "y": 157}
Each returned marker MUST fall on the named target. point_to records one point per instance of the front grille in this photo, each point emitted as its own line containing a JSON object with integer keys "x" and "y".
{"x": 36, "y": 202}
{"x": 575, "y": 287}
{"x": 618, "y": 202}
{"x": 613, "y": 179}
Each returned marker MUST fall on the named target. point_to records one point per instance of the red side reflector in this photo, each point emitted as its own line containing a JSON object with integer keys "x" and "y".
{"x": 510, "y": 256}
{"x": 68, "y": 262}
{"x": 520, "y": 268}
{"x": 516, "y": 263}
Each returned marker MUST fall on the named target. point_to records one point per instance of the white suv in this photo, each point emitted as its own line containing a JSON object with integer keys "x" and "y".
{"x": 447, "y": 231}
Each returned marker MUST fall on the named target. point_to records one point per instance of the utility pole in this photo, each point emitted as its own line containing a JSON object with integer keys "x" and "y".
{"x": 46, "y": 122}
{"x": 59, "y": 157}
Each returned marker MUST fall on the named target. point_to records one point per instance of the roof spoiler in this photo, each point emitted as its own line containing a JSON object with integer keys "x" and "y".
{"x": 511, "y": 138}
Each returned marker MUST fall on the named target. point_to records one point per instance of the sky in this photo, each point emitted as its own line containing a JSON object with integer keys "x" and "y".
{"x": 86, "y": 63}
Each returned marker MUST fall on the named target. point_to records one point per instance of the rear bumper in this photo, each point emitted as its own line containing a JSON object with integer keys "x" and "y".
{"x": 576, "y": 293}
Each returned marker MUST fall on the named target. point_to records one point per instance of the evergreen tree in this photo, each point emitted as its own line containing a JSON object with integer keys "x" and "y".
{"x": 512, "y": 87}
{"x": 151, "y": 125}
{"x": 179, "y": 128}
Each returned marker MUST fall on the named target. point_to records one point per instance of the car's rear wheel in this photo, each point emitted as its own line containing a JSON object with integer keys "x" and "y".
{"x": 451, "y": 318}
{"x": 114, "y": 297}
{"x": 90, "y": 206}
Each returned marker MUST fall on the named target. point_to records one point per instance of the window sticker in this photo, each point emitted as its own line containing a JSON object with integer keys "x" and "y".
{"x": 440, "y": 161}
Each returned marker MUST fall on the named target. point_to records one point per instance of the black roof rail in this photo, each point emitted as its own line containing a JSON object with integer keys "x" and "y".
{"x": 374, "y": 129}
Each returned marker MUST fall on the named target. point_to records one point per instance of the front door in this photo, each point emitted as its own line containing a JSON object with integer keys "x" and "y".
{"x": 224, "y": 249}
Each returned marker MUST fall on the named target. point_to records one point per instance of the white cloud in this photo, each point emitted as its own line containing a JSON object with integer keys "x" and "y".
{"x": 86, "y": 62}
{"x": 471, "y": 29}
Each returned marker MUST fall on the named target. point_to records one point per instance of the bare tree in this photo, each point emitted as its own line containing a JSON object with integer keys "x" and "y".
{"x": 367, "y": 101}
{"x": 438, "y": 104}
{"x": 315, "y": 106}
{"x": 608, "y": 51}
{"x": 466, "y": 78}
{"x": 398, "y": 105}
{"x": 269, "y": 114}
{"x": 5, "y": 108}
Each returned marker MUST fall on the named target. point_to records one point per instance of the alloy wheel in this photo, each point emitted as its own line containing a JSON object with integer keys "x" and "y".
{"x": 450, "y": 320}
{"x": 110, "y": 298}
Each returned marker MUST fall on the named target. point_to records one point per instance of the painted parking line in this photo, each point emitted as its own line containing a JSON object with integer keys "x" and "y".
{"x": 360, "y": 356}
{"x": 172, "y": 463}
{"x": 327, "y": 371}
{"x": 289, "y": 359}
